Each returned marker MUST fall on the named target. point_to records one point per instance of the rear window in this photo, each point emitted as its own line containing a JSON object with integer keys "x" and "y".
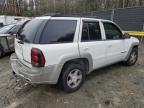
{"x": 58, "y": 31}
{"x": 29, "y": 31}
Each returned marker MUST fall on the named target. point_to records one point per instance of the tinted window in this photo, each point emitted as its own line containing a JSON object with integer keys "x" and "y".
{"x": 91, "y": 31}
{"x": 58, "y": 31}
{"x": 1, "y": 25}
{"x": 94, "y": 31}
{"x": 85, "y": 33}
{"x": 15, "y": 29}
{"x": 112, "y": 31}
{"x": 29, "y": 31}
{"x": 5, "y": 29}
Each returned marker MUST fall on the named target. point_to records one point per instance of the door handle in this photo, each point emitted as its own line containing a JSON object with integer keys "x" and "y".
{"x": 86, "y": 48}
{"x": 124, "y": 52}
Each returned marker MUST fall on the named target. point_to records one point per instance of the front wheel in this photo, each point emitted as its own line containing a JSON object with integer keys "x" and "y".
{"x": 73, "y": 76}
{"x": 132, "y": 57}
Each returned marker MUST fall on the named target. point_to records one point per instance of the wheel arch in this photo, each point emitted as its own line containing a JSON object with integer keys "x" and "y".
{"x": 85, "y": 61}
{"x": 134, "y": 45}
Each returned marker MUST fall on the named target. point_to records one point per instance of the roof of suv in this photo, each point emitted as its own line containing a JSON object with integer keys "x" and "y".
{"x": 71, "y": 18}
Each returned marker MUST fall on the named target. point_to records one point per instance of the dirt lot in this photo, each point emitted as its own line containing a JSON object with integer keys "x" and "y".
{"x": 116, "y": 86}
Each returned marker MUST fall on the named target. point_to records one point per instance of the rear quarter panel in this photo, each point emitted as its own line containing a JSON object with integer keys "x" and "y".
{"x": 58, "y": 53}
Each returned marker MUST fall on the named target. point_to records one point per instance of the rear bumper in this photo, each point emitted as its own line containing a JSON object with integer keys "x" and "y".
{"x": 33, "y": 75}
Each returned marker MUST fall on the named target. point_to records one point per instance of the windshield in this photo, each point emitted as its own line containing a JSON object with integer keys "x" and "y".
{"x": 15, "y": 29}
{"x": 5, "y": 29}
{"x": 28, "y": 32}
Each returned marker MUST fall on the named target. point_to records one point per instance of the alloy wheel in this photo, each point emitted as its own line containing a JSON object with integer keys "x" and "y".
{"x": 133, "y": 57}
{"x": 74, "y": 78}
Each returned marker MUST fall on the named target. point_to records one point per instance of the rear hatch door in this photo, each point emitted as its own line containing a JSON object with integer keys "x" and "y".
{"x": 27, "y": 37}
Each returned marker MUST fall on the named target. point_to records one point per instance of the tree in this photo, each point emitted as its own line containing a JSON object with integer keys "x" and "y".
{"x": 45, "y": 7}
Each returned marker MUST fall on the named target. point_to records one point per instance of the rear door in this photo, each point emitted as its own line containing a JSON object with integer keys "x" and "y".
{"x": 92, "y": 42}
{"x": 115, "y": 44}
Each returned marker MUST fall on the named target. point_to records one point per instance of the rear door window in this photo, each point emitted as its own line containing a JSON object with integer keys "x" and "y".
{"x": 91, "y": 31}
{"x": 58, "y": 31}
{"x": 85, "y": 32}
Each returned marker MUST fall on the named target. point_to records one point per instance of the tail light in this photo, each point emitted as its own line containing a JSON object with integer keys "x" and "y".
{"x": 37, "y": 58}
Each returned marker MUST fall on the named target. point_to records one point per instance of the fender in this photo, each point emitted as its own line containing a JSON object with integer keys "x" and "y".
{"x": 61, "y": 64}
{"x": 72, "y": 57}
{"x": 89, "y": 57}
{"x": 132, "y": 45}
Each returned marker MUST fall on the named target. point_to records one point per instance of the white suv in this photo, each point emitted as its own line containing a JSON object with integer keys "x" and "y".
{"x": 64, "y": 49}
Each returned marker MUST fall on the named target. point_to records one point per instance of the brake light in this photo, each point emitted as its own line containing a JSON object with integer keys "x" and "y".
{"x": 37, "y": 58}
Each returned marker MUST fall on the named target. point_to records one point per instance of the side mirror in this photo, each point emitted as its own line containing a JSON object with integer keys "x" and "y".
{"x": 126, "y": 36}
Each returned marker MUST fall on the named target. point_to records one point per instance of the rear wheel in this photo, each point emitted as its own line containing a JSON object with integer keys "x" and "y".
{"x": 132, "y": 57}
{"x": 73, "y": 77}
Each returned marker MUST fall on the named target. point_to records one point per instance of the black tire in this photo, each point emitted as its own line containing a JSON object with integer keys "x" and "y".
{"x": 1, "y": 52}
{"x": 65, "y": 75}
{"x": 131, "y": 62}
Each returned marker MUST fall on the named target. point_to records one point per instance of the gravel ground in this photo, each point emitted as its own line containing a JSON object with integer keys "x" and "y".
{"x": 116, "y": 86}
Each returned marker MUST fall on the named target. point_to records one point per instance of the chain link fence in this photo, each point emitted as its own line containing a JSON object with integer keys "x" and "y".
{"x": 129, "y": 19}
